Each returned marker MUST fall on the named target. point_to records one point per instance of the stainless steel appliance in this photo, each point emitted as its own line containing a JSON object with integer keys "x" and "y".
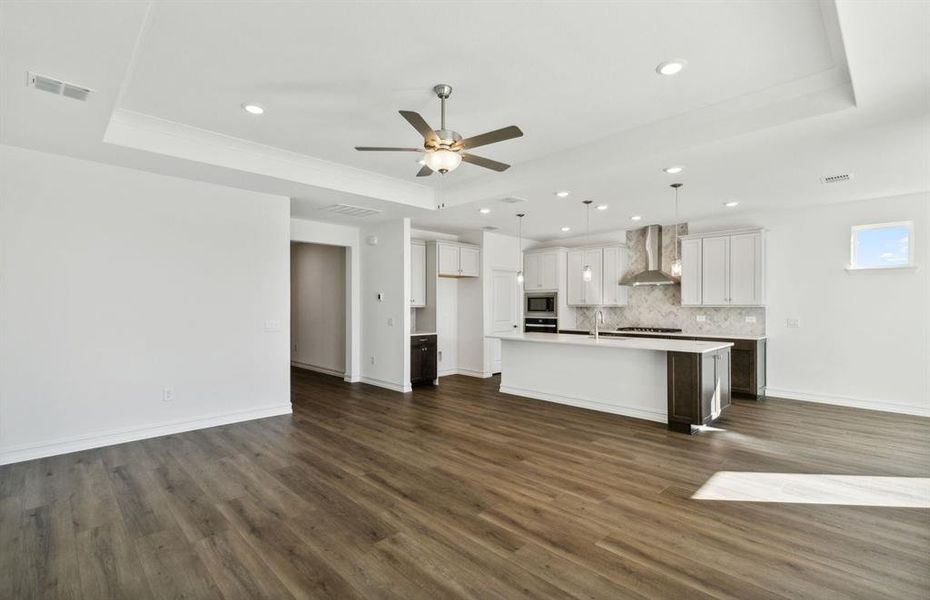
{"x": 542, "y": 305}
{"x": 540, "y": 325}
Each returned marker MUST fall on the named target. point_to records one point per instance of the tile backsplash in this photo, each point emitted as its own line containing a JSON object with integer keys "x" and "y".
{"x": 660, "y": 306}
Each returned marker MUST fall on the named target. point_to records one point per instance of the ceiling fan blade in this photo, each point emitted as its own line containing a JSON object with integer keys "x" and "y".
{"x": 386, "y": 149}
{"x": 491, "y": 137}
{"x": 424, "y": 172}
{"x": 487, "y": 163}
{"x": 420, "y": 124}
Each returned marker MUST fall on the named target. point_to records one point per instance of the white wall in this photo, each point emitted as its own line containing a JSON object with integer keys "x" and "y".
{"x": 318, "y": 307}
{"x": 864, "y": 338}
{"x": 316, "y": 232}
{"x": 386, "y": 322}
{"x": 115, "y": 284}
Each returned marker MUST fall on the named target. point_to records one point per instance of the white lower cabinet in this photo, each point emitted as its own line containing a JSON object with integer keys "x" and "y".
{"x": 723, "y": 269}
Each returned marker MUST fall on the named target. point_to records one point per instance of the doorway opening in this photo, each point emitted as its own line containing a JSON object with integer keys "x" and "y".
{"x": 318, "y": 308}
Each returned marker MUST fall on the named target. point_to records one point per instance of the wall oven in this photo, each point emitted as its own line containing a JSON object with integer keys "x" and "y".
{"x": 542, "y": 305}
{"x": 540, "y": 325}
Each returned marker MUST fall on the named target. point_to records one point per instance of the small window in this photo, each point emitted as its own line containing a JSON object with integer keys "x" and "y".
{"x": 882, "y": 246}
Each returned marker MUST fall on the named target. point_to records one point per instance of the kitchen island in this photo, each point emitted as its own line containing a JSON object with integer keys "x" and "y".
{"x": 683, "y": 383}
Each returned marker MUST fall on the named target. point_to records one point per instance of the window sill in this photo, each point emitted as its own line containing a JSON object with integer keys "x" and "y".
{"x": 880, "y": 269}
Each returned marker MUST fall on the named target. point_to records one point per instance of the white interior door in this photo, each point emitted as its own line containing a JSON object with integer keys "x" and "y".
{"x": 506, "y": 299}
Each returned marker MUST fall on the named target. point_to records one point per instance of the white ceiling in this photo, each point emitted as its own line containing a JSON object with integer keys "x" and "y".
{"x": 763, "y": 109}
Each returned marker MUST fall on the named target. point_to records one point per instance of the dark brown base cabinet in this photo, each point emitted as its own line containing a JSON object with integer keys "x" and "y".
{"x": 423, "y": 363}
{"x": 699, "y": 387}
{"x": 748, "y": 362}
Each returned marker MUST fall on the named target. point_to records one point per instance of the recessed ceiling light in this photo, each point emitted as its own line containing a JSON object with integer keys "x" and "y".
{"x": 636, "y": 218}
{"x": 731, "y": 203}
{"x": 566, "y": 228}
{"x": 484, "y": 211}
{"x": 601, "y": 207}
{"x": 253, "y": 109}
{"x": 563, "y": 194}
{"x": 673, "y": 170}
{"x": 671, "y": 67}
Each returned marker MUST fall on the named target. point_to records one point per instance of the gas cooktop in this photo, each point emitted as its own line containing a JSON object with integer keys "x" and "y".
{"x": 650, "y": 329}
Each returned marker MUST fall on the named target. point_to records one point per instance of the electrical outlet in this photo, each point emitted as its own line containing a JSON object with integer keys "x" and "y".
{"x": 793, "y": 323}
{"x": 700, "y": 318}
{"x": 750, "y": 319}
{"x": 272, "y": 325}
{"x": 390, "y": 321}
{"x": 168, "y": 394}
{"x": 372, "y": 359}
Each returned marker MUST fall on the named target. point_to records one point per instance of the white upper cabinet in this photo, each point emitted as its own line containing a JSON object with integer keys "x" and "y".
{"x": 417, "y": 274}
{"x": 574, "y": 286}
{"x": 469, "y": 261}
{"x": 745, "y": 267}
{"x": 592, "y": 293}
{"x": 458, "y": 260}
{"x": 691, "y": 266}
{"x": 715, "y": 288}
{"x": 448, "y": 259}
{"x": 549, "y": 271}
{"x": 616, "y": 262}
{"x": 723, "y": 269}
{"x": 593, "y": 289}
{"x": 541, "y": 271}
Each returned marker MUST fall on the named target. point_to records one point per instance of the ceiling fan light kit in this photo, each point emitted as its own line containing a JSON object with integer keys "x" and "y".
{"x": 444, "y": 148}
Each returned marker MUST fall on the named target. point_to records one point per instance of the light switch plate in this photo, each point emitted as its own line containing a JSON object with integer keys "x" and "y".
{"x": 272, "y": 325}
{"x": 750, "y": 319}
{"x": 793, "y": 323}
{"x": 700, "y": 318}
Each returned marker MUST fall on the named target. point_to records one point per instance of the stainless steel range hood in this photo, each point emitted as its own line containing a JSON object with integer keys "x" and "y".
{"x": 653, "y": 274}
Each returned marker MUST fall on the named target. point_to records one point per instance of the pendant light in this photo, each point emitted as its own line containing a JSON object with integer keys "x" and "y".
{"x": 676, "y": 264}
{"x": 520, "y": 248}
{"x": 587, "y": 273}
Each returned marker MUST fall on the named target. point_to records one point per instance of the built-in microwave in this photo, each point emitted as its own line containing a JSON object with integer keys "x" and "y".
{"x": 541, "y": 305}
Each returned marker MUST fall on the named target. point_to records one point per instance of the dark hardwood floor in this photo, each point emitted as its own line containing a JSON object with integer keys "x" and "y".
{"x": 463, "y": 492}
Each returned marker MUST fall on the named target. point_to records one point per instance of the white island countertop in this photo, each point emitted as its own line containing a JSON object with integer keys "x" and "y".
{"x": 631, "y": 343}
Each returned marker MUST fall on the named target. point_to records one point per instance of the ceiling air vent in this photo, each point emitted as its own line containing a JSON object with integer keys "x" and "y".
{"x": 838, "y": 178}
{"x": 490, "y": 228}
{"x": 351, "y": 211}
{"x": 57, "y": 87}
{"x": 513, "y": 200}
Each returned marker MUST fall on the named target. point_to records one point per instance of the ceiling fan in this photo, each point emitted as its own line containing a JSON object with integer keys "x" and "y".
{"x": 446, "y": 149}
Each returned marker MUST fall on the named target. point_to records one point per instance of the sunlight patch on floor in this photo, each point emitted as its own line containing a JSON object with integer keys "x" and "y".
{"x": 805, "y": 488}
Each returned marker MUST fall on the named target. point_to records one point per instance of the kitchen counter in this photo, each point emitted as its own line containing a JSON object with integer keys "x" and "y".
{"x": 684, "y": 334}
{"x": 614, "y": 341}
{"x": 422, "y": 333}
{"x": 683, "y": 383}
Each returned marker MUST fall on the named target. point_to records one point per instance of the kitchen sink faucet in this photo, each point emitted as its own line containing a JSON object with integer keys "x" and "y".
{"x": 598, "y": 320}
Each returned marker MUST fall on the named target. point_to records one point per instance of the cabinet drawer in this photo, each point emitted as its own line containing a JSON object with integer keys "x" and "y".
{"x": 423, "y": 340}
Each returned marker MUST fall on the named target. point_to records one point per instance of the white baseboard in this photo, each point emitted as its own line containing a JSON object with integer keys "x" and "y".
{"x": 120, "y": 436}
{"x": 659, "y": 416}
{"x": 352, "y": 379}
{"x": 904, "y": 409}
{"x": 390, "y": 385}
{"x": 324, "y": 370}
{"x": 473, "y": 373}
{"x": 466, "y": 372}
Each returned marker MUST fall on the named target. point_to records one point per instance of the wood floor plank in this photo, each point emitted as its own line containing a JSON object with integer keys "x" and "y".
{"x": 110, "y": 567}
{"x": 460, "y": 491}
